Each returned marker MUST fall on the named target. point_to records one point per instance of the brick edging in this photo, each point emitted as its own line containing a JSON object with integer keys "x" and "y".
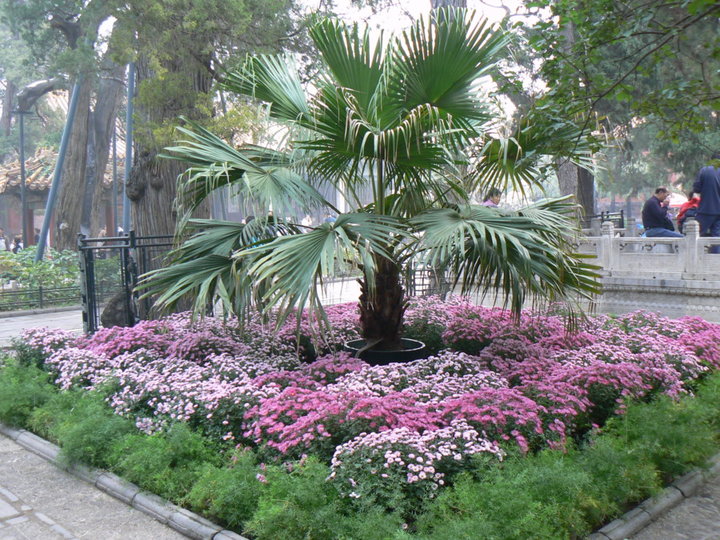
{"x": 650, "y": 509}
{"x": 183, "y": 521}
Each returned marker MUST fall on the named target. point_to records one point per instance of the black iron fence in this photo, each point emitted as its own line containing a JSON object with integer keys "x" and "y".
{"x": 38, "y": 297}
{"x": 110, "y": 266}
{"x": 424, "y": 280}
{"x": 109, "y": 270}
{"x": 617, "y": 218}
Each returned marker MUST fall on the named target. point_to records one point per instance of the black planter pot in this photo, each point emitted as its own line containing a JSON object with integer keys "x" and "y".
{"x": 412, "y": 350}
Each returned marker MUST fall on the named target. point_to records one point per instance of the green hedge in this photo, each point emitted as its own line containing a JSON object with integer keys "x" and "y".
{"x": 552, "y": 494}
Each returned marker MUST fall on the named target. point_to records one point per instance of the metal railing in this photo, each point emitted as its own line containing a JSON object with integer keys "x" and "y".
{"x": 110, "y": 266}
{"x": 109, "y": 270}
{"x": 617, "y": 219}
{"x": 38, "y": 297}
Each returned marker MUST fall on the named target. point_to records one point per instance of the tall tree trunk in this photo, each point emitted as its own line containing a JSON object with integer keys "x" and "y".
{"x": 7, "y": 108}
{"x": 91, "y": 177}
{"x": 108, "y": 98}
{"x": 69, "y": 207}
{"x": 72, "y": 187}
{"x": 574, "y": 180}
{"x": 381, "y": 314}
{"x": 153, "y": 180}
{"x": 152, "y": 185}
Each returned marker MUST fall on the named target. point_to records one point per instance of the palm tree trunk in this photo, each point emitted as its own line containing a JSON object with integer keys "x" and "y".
{"x": 381, "y": 314}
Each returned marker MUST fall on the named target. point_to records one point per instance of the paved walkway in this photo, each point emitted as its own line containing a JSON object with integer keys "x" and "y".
{"x": 39, "y": 501}
{"x": 696, "y": 518}
{"x": 10, "y": 327}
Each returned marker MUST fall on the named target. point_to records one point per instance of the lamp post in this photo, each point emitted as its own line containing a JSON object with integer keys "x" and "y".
{"x": 26, "y": 98}
{"x": 23, "y": 195}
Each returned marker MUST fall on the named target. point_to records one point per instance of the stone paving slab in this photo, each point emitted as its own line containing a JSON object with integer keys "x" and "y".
{"x": 38, "y": 501}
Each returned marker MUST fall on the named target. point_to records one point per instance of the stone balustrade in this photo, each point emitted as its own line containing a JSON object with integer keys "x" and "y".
{"x": 671, "y": 276}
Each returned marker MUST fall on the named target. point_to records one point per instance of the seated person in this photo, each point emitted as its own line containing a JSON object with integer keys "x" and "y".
{"x": 655, "y": 218}
{"x": 688, "y": 209}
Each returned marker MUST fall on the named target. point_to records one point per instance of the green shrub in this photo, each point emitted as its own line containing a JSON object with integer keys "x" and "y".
{"x": 708, "y": 397}
{"x": 45, "y": 419}
{"x": 22, "y": 389}
{"x": 429, "y": 333}
{"x": 26, "y": 355}
{"x": 89, "y": 429}
{"x": 621, "y": 476}
{"x": 56, "y": 269}
{"x": 228, "y": 494}
{"x": 674, "y": 436}
{"x": 542, "y": 496}
{"x": 167, "y": 464}
{"x": 299, "y": 504}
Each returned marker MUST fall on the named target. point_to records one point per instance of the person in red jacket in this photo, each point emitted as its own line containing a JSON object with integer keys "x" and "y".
{"x": 688, "y": 210}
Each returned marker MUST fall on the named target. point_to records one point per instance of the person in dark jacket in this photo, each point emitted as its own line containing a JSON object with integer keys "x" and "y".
{"x": 655, "y": 218}
{"x": 707, "y": 185}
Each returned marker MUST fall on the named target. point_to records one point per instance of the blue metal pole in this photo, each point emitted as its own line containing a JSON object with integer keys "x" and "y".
{"x": 57, "y": 176}
{"x": 128, "y": 145}
{"x": 114, "y": 216}
{"x": 23, "y": 190}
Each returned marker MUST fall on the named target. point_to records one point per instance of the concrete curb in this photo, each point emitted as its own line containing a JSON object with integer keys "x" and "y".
{"x": 194, "y": 526}
{"x": 183, "y": 521}
{"x": 649, "y": 510}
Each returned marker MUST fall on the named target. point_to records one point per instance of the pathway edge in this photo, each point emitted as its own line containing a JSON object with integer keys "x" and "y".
{"x": 194, "y": 526}
{"x": 650, "y": 509}
{"x": 181, "y": 520}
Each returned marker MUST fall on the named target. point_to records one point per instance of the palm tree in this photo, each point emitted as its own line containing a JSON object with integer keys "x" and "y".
{"x": 405, "y": 120}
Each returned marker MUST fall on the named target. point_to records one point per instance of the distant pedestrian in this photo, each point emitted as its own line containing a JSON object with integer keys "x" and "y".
{"x": 102, "y": 253}
{"x": 688, "y": 210}
{"x": 655, "y": 218}
{"x": 329, "y": 218}
{"x": 707, "y": 185}
{"x": 492, "y": 198}
{"x": 4, "y": 244}
{"x": 17, "y": 244}
{"x": 36, "y": 238}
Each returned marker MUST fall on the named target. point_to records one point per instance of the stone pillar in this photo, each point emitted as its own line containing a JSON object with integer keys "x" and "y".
{"x": 595, "y": 226}
{"x": 692, "y": 250}
{"x": 631, "y": 229}
{"x": 606, "y": 256}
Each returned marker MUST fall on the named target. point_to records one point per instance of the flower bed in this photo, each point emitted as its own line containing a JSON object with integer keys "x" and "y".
{"x": 497, "y": 386}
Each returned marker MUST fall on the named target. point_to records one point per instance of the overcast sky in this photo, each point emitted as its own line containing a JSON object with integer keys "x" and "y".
{"x": 401, "y": 15}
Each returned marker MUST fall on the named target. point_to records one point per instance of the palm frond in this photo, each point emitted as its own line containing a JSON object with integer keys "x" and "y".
{"x": 514, "y": 161}
{"x": 440, "y": 59}
{"x": 296, "y": 265}
{"x": 355, "y": 63}
{"x": 514, "y": 254}
{"x": 204, "y": 280}
{"x": 274, "y": 80}
{"x": 203, "y": 268}
{"x": 254, "y": 172}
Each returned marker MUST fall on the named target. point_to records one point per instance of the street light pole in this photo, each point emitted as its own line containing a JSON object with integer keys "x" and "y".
{"x": 23, "y": 196}
{"x": 26, "y": 98}
{"x": 114, "y": 212}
